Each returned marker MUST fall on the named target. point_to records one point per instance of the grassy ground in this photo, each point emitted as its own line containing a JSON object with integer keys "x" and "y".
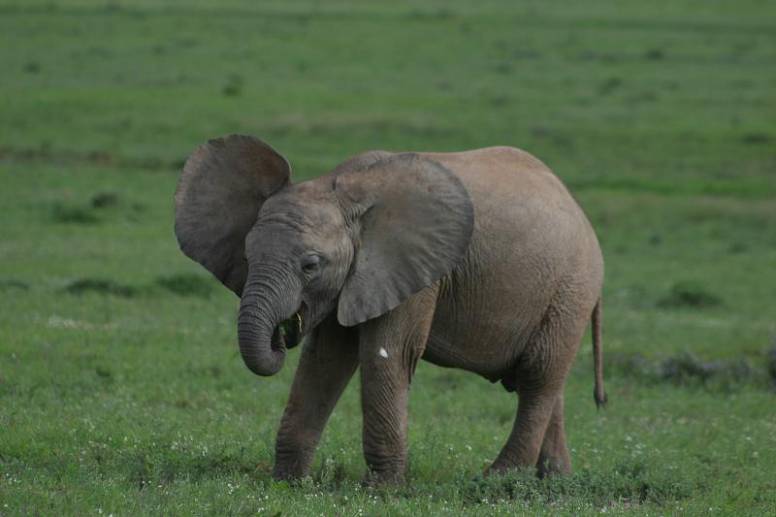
{"x": 121, "y": 388}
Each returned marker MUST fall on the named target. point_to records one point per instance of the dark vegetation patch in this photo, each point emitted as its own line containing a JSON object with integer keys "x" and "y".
{"x": 645, "y": 96}
{"x": 626, "y": 484}
{"x": 105, "y": 374}
{"x": 738, "y": 247}
{"x": 186, "y": 284}
{"x": 234, "y": 86}
{"x": 558, "y": 138}
{"x": 689, "y": 294}
{"x": 499, "y": 100}
{"x": 756, "y": 138}
{"x": 609, "y": 85}
{"x": 13, "y": 285}
{"x": 601, "y": 57}
{"x": 654, "y": 54}
{"x": 771, "y": 362}
{"x": 68, "y": 214}
{"x": 181, "y": 284}
{"x": 31, "y": 67}
{"x": 528, "y": 54}
{"x": 504, "y": 68}
{"x": 62, "y": 157}
{"x": 430, "y": 14}
{"x": 104, "y": 200}
{"x": 687, "y": 370}
{"x": 100, "y": 207}
{"x": 100, "y": 286}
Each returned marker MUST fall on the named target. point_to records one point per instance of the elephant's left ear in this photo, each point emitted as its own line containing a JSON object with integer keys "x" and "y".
{"x": 414, "y": 220}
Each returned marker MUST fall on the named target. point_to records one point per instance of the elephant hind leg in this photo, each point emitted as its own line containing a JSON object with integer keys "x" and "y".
{"x": 537, "y": 434}
{"x": 554, "y": 455}
{"x": 524, "y": 444}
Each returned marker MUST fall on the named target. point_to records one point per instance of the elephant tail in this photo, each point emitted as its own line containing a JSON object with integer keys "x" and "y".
{"x": 598, "y": 355}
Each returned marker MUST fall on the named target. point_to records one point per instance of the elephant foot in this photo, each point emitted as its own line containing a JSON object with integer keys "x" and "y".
{"x": 546, "y": 467}
{"x": 498, "y": 468}
{"x": 553, "y": 466}
{"x": 288, "y": 475}
{"x": 292, "y": 467}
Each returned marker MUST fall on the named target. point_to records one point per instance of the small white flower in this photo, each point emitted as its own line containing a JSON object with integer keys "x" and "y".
{"x": 383, "y": 353}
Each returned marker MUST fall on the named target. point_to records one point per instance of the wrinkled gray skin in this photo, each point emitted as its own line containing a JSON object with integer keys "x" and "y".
{"x": 479, "y": 260}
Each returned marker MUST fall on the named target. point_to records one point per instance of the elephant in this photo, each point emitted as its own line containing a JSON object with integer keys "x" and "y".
{"x": 479, "y": 260}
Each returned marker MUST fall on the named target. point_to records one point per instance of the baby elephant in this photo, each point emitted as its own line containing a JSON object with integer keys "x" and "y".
{"x": 478, "y": 260}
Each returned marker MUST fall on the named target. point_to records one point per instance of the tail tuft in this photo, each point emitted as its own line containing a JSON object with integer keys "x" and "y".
{"x": 600, "y": 400}
{"x": 598, "y": 359}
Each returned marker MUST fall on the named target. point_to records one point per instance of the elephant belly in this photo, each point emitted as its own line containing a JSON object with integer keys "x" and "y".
{"x": 442, "y": 352}
{"x": 486, "y": 311}
{"x": 486, "y": 339}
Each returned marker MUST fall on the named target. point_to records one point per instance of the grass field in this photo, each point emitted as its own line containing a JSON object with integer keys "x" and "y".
{"x": 121, "y": 387}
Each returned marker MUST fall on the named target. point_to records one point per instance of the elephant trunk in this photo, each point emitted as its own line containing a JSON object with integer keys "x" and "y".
{"x": 260, "y": 330}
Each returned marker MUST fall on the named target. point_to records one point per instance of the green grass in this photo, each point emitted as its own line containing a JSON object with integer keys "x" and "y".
{"x": 121, "y": 387}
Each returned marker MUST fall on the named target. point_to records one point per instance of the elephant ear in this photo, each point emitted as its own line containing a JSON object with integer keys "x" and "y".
{"x": 223, "y": 184}
{"x": 413, "y": 219}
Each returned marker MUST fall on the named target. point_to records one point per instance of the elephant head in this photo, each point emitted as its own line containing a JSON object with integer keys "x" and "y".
{"x": 357, "y": 241}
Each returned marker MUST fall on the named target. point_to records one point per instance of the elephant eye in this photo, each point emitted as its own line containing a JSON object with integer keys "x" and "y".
{"x": 311, "y": 263}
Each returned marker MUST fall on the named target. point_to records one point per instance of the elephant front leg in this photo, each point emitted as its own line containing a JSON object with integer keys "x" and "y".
{"x": 389, "y": 348}
{"x": 326, "y": 365}
{"x": 384, "y": 394}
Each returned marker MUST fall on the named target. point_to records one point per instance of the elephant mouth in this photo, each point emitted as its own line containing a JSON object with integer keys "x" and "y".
{"x": 288, "y": 333}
